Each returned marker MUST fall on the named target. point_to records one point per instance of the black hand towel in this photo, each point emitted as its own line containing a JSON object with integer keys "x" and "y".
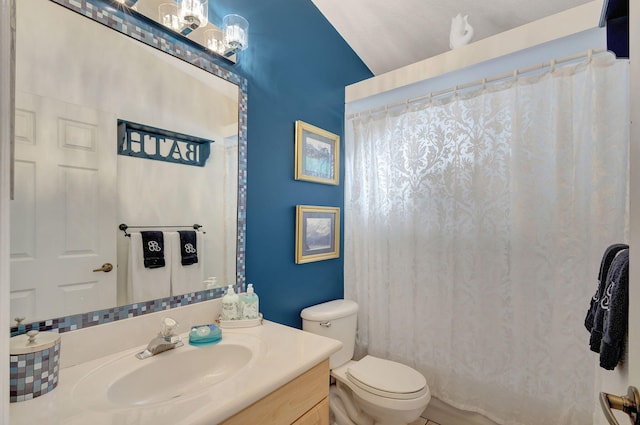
{"x": 614, "y": 329}
{"x": 153, "y": 249}
{"x": 188, "y": 247}
{"x": 593, "y": 320}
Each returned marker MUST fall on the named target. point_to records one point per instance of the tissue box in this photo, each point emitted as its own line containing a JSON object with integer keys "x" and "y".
{"x": 33, "y": 366}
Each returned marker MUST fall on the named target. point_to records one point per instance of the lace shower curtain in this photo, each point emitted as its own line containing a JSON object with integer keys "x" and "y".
{"x": 474, "y": 228}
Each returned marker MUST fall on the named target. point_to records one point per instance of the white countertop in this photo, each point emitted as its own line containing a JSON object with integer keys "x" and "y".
{"x": 285, "y": 353}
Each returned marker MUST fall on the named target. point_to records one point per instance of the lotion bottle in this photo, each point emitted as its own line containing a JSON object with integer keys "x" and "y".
{"x": 230, "y": 305}
{"x": 250, "y": 304}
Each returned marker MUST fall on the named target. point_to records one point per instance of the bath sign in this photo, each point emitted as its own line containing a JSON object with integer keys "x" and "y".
{"x": 143, "y": 141}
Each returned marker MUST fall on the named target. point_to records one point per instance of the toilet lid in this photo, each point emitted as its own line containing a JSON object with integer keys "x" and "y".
{"x": 387, "y": 378}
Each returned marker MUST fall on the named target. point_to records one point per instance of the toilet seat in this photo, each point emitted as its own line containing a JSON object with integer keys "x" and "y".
{"x": 386, "y": 378}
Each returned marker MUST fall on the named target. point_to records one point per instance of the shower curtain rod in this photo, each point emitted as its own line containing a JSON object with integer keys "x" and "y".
{"x": 483, "y": 82}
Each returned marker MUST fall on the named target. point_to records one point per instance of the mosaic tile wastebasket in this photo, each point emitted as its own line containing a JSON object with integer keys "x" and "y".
{"x": 34, "y": 363}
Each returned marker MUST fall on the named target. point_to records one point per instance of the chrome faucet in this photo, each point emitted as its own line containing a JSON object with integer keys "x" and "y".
{"x": 166, "y": 340}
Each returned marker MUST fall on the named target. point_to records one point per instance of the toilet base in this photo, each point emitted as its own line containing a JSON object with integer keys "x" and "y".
{"x": 346, "y": 408}
{"x": 342, "y": 409}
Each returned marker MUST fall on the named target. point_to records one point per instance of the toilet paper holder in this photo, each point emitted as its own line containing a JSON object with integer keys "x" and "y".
{"x": 629, "y": 404}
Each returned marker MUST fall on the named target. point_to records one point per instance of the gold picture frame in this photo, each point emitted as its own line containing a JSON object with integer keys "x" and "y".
{"x": 317, "y": 233}
{"x": 317, "y": 154}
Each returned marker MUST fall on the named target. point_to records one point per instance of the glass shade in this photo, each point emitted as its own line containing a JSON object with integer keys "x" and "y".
{"x": 214, "y": 40}
{"x": 168, "y": 15}
{"x": 194, "y": 13}
{"x": 236, "y": 32}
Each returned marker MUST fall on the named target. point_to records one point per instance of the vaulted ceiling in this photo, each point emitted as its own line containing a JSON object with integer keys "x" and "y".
{"x": 391, "y": 34}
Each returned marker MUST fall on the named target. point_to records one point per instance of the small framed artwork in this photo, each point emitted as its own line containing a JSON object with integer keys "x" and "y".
{"x": 317, "y": 233}
{"x": 317, "y": 154}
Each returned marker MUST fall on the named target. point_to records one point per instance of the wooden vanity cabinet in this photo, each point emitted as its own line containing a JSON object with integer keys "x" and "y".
{"x": 302, "y": 401}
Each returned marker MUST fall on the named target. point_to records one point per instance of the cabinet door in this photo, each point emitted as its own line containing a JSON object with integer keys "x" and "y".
{"x": 318, "y": 415}
{"x": 290, "y": 402}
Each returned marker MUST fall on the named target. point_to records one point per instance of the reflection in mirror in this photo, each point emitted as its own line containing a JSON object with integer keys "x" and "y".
{"x": 226, "y": 36}
{"x": 73, "y": 189}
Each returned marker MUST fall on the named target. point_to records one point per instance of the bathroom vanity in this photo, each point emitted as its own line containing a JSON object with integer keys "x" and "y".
{"x": 303, "y": 401}
{"x": 268, "y": 374}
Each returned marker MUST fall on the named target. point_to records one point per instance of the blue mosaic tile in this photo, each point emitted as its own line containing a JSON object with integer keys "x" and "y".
{"x": 152, "y": 34}
{"x": 39, "y": 377}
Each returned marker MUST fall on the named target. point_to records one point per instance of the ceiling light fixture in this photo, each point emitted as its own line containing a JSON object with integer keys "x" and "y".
{"x": 193, "y": 14}
{"x": 186, "y": 16}
{"x": 236, "y": 34}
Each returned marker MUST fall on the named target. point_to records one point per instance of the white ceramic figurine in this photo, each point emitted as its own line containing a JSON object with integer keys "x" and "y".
{"x": 461, "y": 32}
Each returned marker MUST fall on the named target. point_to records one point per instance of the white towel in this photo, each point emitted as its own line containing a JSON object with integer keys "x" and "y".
{"x": 145, "y": 284}
{"x": 185, "y": 279}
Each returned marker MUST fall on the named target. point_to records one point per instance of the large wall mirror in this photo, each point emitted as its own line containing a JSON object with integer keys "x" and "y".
{"x": 76, "y": 79}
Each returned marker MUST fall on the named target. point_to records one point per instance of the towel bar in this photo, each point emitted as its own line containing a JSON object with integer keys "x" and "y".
{"x": 124, "y": 227}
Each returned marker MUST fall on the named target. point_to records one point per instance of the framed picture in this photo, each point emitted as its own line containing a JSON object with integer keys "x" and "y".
{"x": 317, "y": 154}
{"x": 317, "y": 233}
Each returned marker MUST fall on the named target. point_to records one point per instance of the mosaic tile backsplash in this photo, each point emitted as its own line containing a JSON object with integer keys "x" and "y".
{"x": 34, "y": 374}
{"x": 85, "y": 320}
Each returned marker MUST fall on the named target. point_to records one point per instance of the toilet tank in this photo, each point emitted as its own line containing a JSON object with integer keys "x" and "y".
{"x": 334, "y": 319}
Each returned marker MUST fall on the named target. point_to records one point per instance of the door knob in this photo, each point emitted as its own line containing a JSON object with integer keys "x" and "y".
{"x": 629, "y": 404}
{"x": 106, "y": 267}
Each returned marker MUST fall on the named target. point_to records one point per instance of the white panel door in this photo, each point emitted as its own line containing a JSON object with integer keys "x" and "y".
{"x": 63, "y": 218}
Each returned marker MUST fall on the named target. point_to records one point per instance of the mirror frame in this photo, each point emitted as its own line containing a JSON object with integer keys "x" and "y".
{"x": 149, "y": 32}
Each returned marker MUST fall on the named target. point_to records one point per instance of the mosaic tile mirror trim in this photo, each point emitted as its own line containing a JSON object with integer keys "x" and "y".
{"x": 150, "y": 33}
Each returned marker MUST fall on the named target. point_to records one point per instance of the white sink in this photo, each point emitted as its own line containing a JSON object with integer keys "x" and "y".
{"x": 184, "y": 386}
{"x": 130, "y": 382}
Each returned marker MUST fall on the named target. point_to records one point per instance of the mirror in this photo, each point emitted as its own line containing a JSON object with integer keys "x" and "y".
{"x": 75, "y": 78}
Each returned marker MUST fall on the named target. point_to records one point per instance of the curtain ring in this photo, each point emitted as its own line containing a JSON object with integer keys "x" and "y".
{"x": 484, "y": 84}
{"x": 552, "y": 65}
{"x": 589, "y": 55}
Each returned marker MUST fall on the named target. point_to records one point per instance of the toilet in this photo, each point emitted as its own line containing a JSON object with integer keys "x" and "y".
{"x": 370, "y": 391}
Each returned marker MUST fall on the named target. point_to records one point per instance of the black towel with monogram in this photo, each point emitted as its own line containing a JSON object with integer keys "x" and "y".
{"x": 153, "y": 249}
{"x": 188, "y": 247}
{"x": 616, "y": 306}
{"x": 595, "y": 314}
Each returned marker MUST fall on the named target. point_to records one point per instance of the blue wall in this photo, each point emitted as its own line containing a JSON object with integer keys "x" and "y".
{"x": 297, "y": 66}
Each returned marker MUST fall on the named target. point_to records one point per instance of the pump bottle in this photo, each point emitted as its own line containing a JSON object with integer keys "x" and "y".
{"x": 230, "y": 305}
{"x": 250, "y": 304}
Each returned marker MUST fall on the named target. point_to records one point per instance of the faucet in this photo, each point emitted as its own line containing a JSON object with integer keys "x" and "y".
{"x": 166, "y": 340}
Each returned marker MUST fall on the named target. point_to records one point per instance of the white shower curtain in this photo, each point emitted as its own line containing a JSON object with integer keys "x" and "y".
{"x": 474, "y": 228}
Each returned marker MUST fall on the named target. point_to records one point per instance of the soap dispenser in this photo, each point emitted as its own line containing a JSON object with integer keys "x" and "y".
{"x": 250, "y": 304}
{"x": 230, "y": 305}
